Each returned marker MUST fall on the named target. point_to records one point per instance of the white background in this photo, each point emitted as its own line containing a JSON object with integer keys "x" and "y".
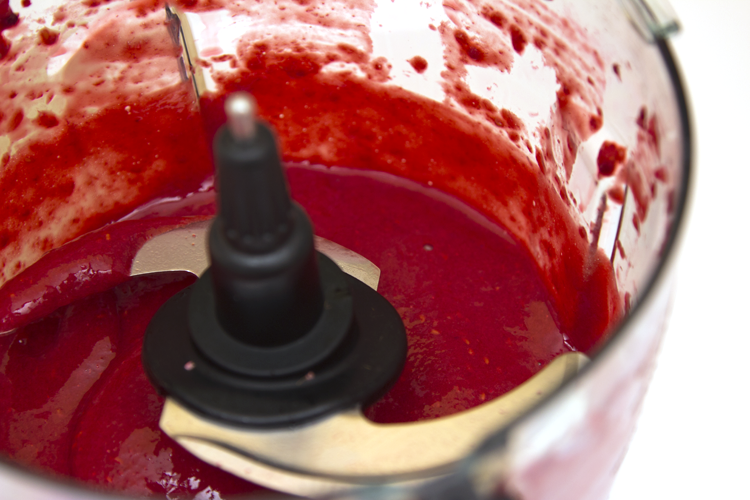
{"x": 693, "y": 439}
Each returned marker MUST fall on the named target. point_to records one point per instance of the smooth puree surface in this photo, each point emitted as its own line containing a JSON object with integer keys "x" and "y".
{"x": 479, "y": 322}
{"x": 473, "y": 228}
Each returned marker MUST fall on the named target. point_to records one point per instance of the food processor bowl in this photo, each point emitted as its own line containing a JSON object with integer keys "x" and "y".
{"x": 586, "y": 93}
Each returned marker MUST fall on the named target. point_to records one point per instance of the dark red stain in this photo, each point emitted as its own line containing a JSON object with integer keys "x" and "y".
{"x": 637, "y": 223}
{"x": 48, "y": 36}
{"x": 611, "y": 155}
{"x": 4, "y": 45}
{"x": 650, "y": 125}
{"x": 621, "y": 249}
{"x": 419, "y": 64}
{"x": 616, "y": 69}
{"x": 596, "y": 122}
{"x": 223, "y": 58}
{"x": 94, "y": 3}
{"x": 468, "y": 46}
{"x": 642, "y": 119}
{"x": 46, "y": 119}
{"x": 662, "y": 174}
{"x": 511, "y": 120}
{"x": 617, "y": 194}
{"x": 540, "y": 160}
{"x": 518, "y": 38}
{"x": 643, "y": 168}
{"x": 26, "y": 3}
{"x": 495, "y": 17}
{"x": 8, "y": 18}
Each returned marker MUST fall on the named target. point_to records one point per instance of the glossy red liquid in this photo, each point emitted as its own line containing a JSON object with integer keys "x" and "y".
{"x": 478, "y": 317}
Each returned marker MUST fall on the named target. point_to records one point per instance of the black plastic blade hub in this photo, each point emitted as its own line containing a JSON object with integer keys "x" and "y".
{"x": 273, "y": 333}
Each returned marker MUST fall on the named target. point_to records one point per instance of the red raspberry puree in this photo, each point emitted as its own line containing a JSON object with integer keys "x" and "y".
{"x": 475, "y": 240}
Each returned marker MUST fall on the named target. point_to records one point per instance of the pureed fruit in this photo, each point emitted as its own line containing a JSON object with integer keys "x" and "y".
{"x": 475, "y": 239}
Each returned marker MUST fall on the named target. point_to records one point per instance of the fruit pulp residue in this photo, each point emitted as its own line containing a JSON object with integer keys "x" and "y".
{"x": 491, "y": 287}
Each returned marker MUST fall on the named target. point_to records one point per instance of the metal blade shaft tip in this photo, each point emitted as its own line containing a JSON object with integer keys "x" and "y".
{"x": 241, "y": 109}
